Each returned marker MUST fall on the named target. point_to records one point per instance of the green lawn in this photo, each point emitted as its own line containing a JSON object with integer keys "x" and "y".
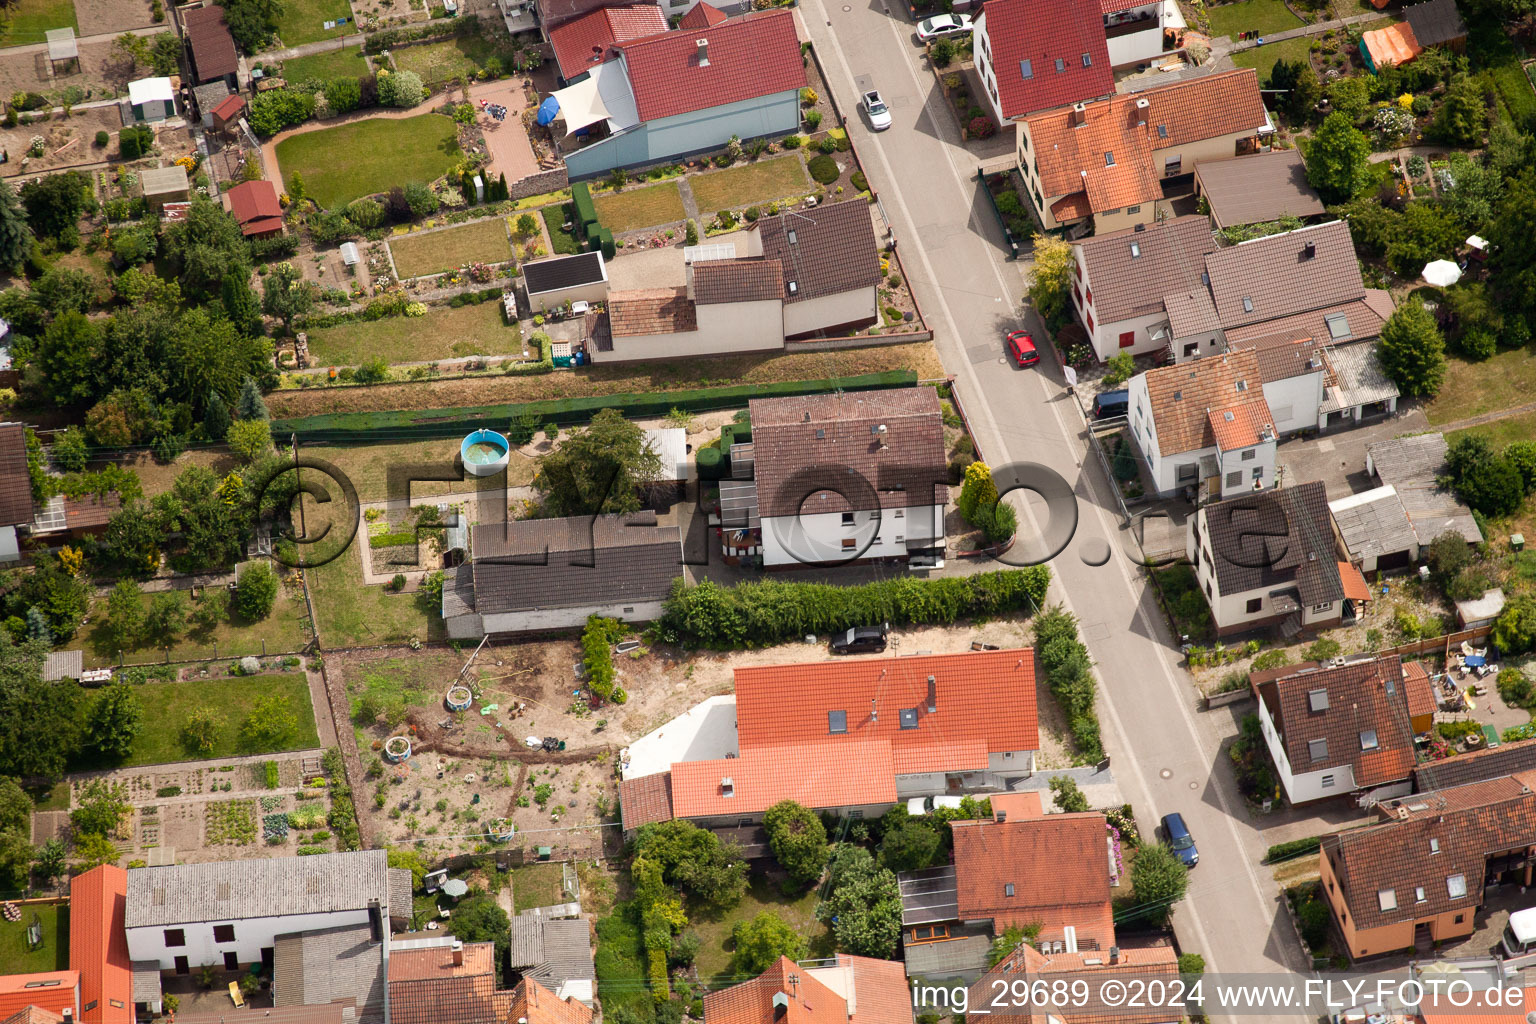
{"x": 167, "y": 706}
{"x": 367, "y": 466}
{"x": 437, "y": 63}
{"x": 432, "y": 252}
{"x": 536, "y": 885}
{"x": 636, "y": 208}
{"x": 1263, "y": 58}
{"x": 1471, "y": 389}
{"x": 16, "y": 958}
{"x": 28, "y": 21}
{"x": 1261, "y": 16}
{"x": 442, "y": 333}
{"x": 561, "y": 241}
{"x": 303, "y": 21}
{"x": 1490, "y": 48}
{"x": 344, "y": 63}
{"x": 380, "y": 153}
{"x": 284, "y": 630}
{"x": 714, "y": 932}
{"x": 762, "y": 181}
{"x": 351, "y": 613}
{"x": 1501, "y": 432}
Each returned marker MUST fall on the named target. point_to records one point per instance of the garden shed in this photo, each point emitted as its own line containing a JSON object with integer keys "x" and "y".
{"x": 62, "y": 48}
{"x": 164, "y": 185}
{"x": 152, "y": 99}
{"x": 349, "y": 254}
{"x": 560, "y": 279}
{"x": 1480, "y": 611}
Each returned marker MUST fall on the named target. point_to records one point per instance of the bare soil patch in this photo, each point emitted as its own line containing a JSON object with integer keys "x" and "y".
{"x": 100, "y": 17}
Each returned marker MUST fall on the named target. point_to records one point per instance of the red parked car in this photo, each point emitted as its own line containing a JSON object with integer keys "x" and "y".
{"x": 1021, "y": 349}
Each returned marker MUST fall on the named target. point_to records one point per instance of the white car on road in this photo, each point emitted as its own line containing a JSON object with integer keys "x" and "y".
{"x": 943, "y": 25}
{"x": 879, "y": 113}
{"x": 920, "y": 805}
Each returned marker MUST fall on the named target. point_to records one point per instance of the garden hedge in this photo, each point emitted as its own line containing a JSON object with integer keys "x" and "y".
{"x": 710, "y": 463}
{"x": 426, "y": 424}
{"x": 586, "y": 212}
{"x": 771, "y": 612}
{"x": 1294, "y": 848}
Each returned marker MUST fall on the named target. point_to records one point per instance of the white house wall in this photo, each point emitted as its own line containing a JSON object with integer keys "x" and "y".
{"x": 594, "y": 292}
{"x": 252, "y": 935}
{"x": 818, "y": 537}
{"x": 1295, "y": 401}
{"x": 1137, "y": 46}
{"x": 10, "y": 547}
{"x": 981, "y": 48}
{"x": 567, "y": 618}
{"x": 1304, "y": 786}
{"x": 1233, "y": 462}
{"x": 810, "y": 315}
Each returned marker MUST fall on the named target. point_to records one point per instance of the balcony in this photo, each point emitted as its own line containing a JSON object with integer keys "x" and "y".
{"x": 1130, "y": 26}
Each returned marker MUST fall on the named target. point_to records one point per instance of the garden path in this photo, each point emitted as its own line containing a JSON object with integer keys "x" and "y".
{"x": 1305, "y": 30}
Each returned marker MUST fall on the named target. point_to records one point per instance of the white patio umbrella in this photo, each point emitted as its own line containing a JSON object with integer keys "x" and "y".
{"x": 1442, "y": 273}
{"x": 455, "y": 887}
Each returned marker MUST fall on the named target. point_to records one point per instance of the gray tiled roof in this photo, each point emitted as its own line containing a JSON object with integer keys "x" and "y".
{"x": 834, "y": 249}
{"x": 573, "y": 563}
{"x": 1435, "y": 22}
{"x": 330, "y": 965}
{"x": 560, "y": 952}
{"x": 232, "y": 890}
{"x": 1261, "y": 187}
{"x": 1412, "y": 459}
{"x": 146, "y": 981}
{"x": 1278, "y": 278}
{"x": 1171, "y": 261}
{"x": 965, "y": 957}
{"x": 1374, "y": 528}
{"x": 1361, "y": 380}
{"x": 63, "y": 665}
{"x": 399, "y": 892}
{"x": 1279, "y": 537}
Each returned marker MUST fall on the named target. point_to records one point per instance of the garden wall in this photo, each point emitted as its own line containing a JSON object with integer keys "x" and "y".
{"x": 428, "y": 424}
{"x": 552, "y": 180}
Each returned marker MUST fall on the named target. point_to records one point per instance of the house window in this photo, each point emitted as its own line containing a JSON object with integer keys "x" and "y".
{"x": 1250, "y": 454}
{"x": 1088, "y": 320}
{"x": 1317, "y": 700}
{"x": 1247, "y": 304}
{"x": 231, "y": 960}
{"x": 1368, "y": 739}
{"x": 837, "y": 722}
{"x": 1127, "y": 339}
{"x": 1026, "y": 69}
{"x": 1434, "y": 846}
{"x": 1318, "y": 749}
{"x": 1255, "y": 604}
{"x": 1162, "y": 132}
{"x": 930, "y": 933}
{"x": 1460, "y": 918}
{"x": 1235, "y": 478}
{"x": 908, "y": 718}
{"x": 1386, "y": 899}
{"x": 1133, "y": 209}
{"x": 1008, "y": 889}
{"x": 1327, "y": 781}
{"x": 117, "y": 1004}
{"x": 1322, "y": 607}
{"x": 1338, "y": 326}
{"x": 847, "y": 518}
{"x": 1172, "y": 165}
{"x": 90, "y": 1006}
{"x": 1207, "y": 590}
{"x": 1109, "y": 159}
{"x": 1258, "y": 472}
{"x": 1188, "y": 472}
{"x": 901, "y": 513}
{"x": 1077, "y": 296}
{"x": 1456, "y": 887}
{"x": 1418, "y": 894}
{"x": 1087, "y": 60}
{"x": 223, "y": 933}
{"x": 175, "y": 937}
{"x": 1061, "y": 65}
{"x": 849, "y": 543}
{"x": 1191, "y": 348}
{"x": 857, "y": 812}
{"x": 1135, "y": 250}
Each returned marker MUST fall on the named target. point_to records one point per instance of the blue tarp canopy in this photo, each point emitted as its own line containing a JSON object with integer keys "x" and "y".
{"x": 549, "y": 110}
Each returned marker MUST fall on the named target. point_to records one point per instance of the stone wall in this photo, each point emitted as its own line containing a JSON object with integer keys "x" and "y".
{"x": 552, "y": 180}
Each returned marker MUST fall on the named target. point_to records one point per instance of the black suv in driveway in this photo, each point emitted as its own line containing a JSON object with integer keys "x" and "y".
{"x": 860, "y": 640}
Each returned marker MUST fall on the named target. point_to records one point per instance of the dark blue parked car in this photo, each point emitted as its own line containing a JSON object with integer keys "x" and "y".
{"x": 1178, "y": 837}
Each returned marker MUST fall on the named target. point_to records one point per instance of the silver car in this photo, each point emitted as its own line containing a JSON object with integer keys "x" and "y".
{"x": 943, "y": 25}
{"x": 879, "y": 113}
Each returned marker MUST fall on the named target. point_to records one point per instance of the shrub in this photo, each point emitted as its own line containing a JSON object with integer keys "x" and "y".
{"x": 273, "y": 111}
{"x": 1293, "y": 848}
{"x": 135, "y": 141}
{"x": 1321, "y": 650}
{"x": 981, "y": 127}
{"x": 1514, "y": 688}
{"x": 858, "y": 181}
{"x": 102, "y": 138}
{"x": 813, "y": 119}
{"x": 824, "y": 169}
{"x": 792, "y": 142}
{"x": 941, "y": 53}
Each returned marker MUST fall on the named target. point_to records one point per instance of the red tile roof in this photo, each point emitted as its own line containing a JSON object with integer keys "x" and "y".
{"x": 213, "y": 48}
{"x": 255, "y": 206}
{"x": 702, "y": 16}
{"x": 1057, "y": 866}
{"x": 1419, "y": 690}
{"x": 978, "y": 697}
{"x": 751, "y": 56}
{"x": 648, "y": 311}
{"x": 538, "y": 1005}
{"x": 15, "y": 483}
{"x": 1241, "y": 425}
{"x": 1364, "y": 724}
{"x": 645, "y": 800}
{"x": 55, "y": 991}
{"x": 1071, "y": 157}
{"x": 1355, "y": 587}
{"x": 817, "y": 995}
{"x": 858, "y": 774}
{"x": 745, "y": 280}
{"x": 98, "y": 945}
{"x": 1016, "y": 806}
{"x": 437, "y": 962}
{"x": 1181, "y": 394}
{"x": 1042, "y": 32}
{"x": 581, "y": 43}
{"x": 1474, "y": 1008}
{"x": 1144, "y": 961}
{"x": 229, "y": 108}
{"x": 34, "y": 1015}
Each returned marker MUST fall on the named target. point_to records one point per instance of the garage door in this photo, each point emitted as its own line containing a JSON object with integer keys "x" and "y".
{"x": 1396, "y": 560}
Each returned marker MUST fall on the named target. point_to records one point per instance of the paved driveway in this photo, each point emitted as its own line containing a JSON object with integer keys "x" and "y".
{"x": 1338, "y": 458}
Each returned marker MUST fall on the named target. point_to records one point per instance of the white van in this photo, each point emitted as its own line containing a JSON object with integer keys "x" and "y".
{"x": 1520, "y": 933}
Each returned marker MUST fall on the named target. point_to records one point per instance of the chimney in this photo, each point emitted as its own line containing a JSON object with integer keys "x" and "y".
{"x": 1310, "y": 251}
{"x": 458, "y": 953}
{"x": 1141, "y": 112}
{"x": 67, "y": 1013}
{"x": 1114, "y": 954}
{"x": 933, "y": 696}
{"x": 703, "y": 45}
{"x": 1069, "y": 934}
{"x": 874, "y": 713}
{"x": 375, "y": 921}
{"x": 1079, "y": 115}
{"x": 780, "y": 1005}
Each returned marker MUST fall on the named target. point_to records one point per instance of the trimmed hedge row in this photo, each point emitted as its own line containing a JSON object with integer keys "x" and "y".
{"x": 760, "y": 614}
{"x": 427, "y": 424}
{"x": 1294, "y": 848}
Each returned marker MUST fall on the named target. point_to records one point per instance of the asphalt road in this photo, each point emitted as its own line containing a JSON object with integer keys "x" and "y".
{"x": 1166, "y": 755}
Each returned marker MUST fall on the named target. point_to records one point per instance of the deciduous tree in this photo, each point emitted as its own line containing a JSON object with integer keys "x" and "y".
{"x": 798, "y": 840}
{"x": 1338, "y": 158}
{"x": 1411, "y": 350}
{"x": 115, "y": 719}
{"x": 761, "y": 941}
{"x": 598, "y": 469}
{"x": 1158, "y": 880}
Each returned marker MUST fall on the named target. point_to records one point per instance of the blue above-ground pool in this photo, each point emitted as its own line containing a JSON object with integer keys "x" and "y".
{"x": 484, "y": 452}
